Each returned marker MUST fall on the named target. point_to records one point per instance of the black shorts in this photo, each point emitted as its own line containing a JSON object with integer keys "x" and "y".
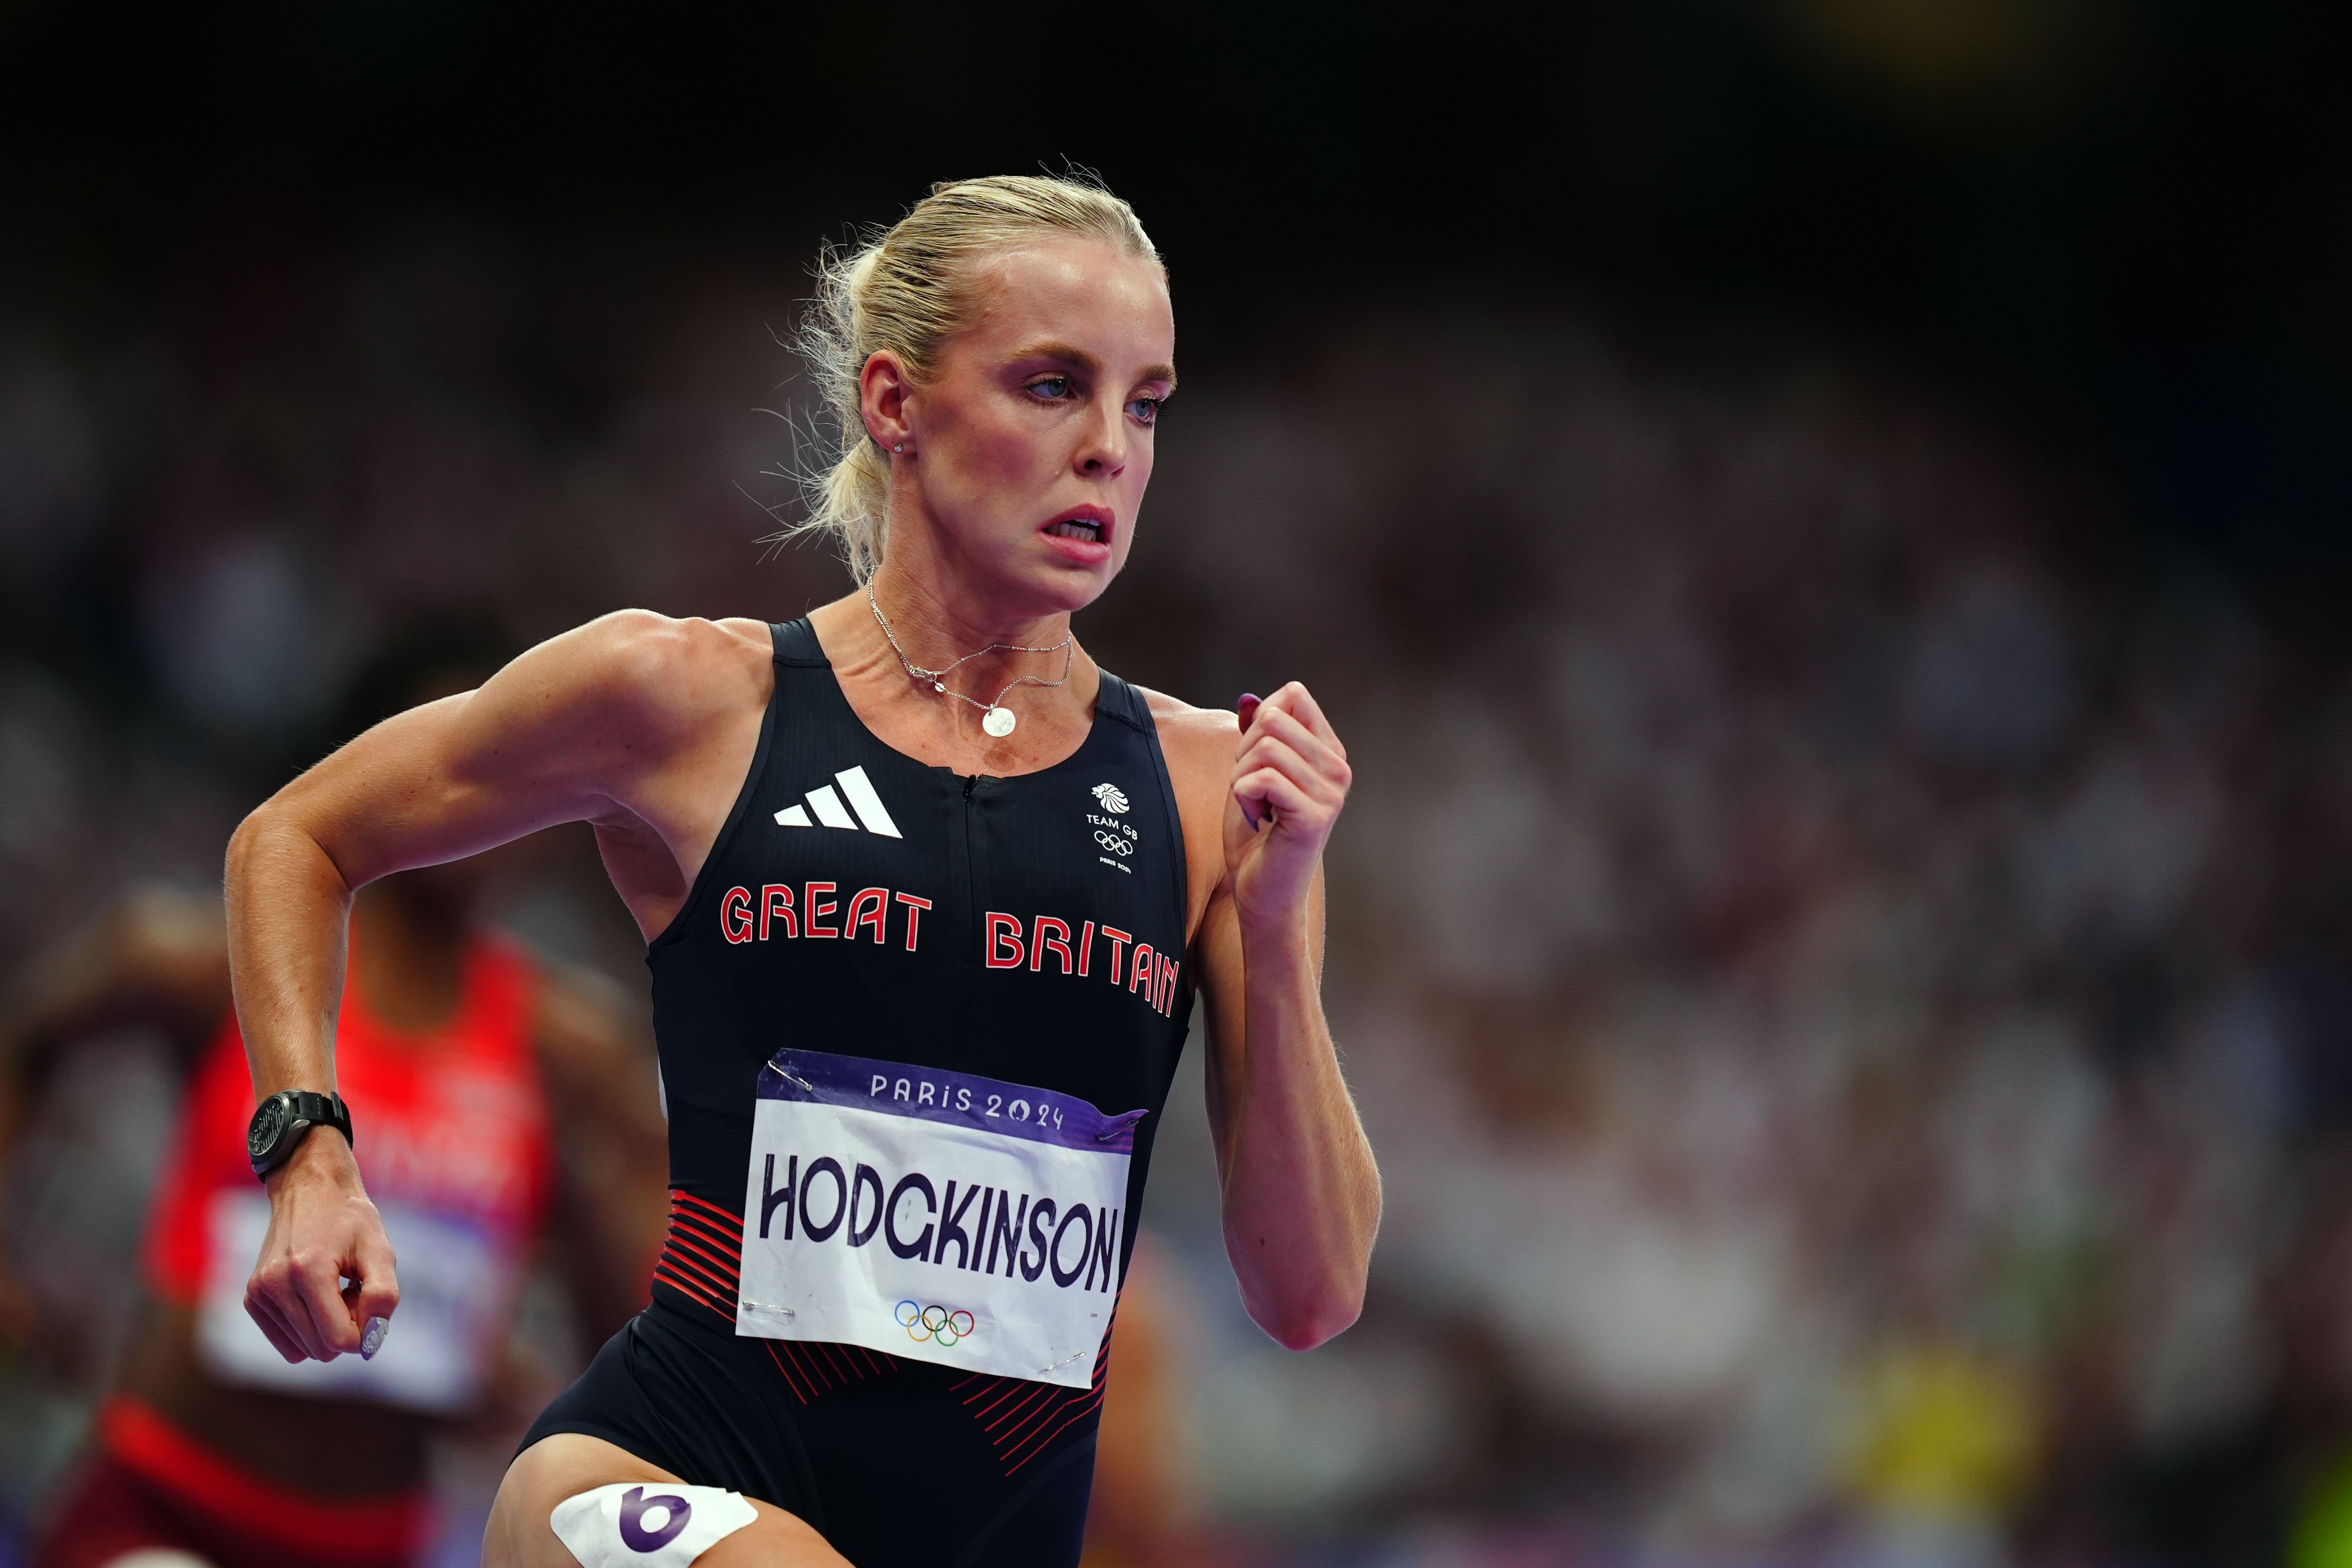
{"x": 899, "y": 1464}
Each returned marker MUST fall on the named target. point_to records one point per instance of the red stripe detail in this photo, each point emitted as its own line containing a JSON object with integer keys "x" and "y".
{"x": 787, "y": 1372}
{"x": 692, "y": 1292}
{"x": 813, "y": 1368}
{"x": 679, "y": 1259}
{"x": 1043, "y": 1391}
{"x": 686, "y": 1221}
{"x": 726, "y": 1216}
{"x": 1013, "y": 1436}
{"x": 728, "y": 1276}
{"x": 670, "y": 1275}
{"x": 1004, "y": 1388}
{"x": 1047, "y": 1441}
{"x": 366, "y": 1530}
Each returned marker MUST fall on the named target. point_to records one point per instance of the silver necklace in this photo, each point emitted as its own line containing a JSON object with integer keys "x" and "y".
{"x": 994, "y": 716}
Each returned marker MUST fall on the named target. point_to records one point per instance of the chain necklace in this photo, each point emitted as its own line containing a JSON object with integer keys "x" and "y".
{"x": 994, "y": 716}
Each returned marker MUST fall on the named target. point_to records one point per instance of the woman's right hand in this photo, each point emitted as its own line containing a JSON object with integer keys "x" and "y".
{"x": 324, "y": 1232}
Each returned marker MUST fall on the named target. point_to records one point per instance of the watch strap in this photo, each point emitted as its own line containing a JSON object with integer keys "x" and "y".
{"x": 297, "y": 1112}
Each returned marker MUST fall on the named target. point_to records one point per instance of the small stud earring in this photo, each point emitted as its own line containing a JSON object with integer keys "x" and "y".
{"x": 900, "y": 447}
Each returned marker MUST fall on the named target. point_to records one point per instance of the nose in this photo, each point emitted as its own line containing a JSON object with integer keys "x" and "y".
{"x": 1103, "y": 453}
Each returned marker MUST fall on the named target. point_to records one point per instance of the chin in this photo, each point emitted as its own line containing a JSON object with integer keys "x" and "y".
{"x": 1069, "y": 591}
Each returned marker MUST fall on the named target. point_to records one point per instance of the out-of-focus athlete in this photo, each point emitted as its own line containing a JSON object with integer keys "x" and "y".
{"x": 927, "y": 895}
{"x": 503, "y": 1103}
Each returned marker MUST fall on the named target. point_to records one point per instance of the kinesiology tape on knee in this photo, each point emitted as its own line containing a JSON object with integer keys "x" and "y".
{"x": 647, "y": 1524}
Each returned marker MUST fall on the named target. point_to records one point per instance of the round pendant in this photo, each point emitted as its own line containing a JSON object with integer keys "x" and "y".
{"x": 997, "y": 721}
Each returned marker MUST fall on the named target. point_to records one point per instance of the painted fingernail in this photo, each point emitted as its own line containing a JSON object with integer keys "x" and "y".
{"x": 1248, "y": 818}
{"x": 1248, "y": 706}
{"x": 373, "y": 1340}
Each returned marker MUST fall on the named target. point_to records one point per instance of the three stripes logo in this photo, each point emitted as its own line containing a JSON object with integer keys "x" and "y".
{"x": 872, "y": 815}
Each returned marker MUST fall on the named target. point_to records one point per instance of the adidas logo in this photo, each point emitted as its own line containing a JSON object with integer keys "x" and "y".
{"x": 830, "y": 813}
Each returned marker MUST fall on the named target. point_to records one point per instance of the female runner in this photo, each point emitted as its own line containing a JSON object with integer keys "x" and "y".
{"x": 927, "y": 894}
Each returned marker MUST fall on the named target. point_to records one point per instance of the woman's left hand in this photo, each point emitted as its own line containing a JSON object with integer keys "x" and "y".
{"x": 1291, "y": 776}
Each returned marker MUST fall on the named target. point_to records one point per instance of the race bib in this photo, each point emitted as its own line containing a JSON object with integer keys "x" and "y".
{"x": 931, "y": 1215}
{"x": 454, "y": 1287}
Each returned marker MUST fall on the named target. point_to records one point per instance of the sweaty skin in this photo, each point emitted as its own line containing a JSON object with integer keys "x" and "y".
{"x": 1041, "y": 411}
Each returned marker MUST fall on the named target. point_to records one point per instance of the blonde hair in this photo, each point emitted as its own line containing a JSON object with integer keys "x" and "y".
{"x": 904, "y": 291}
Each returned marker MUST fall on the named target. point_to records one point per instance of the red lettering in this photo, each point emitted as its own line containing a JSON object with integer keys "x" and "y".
{"x": 1086, "y": 949}
{"x": 776, "y": 898}
{"x": 1119, "y": 940}
{"x": 735, "y": 915}
{"x": 1168, "y": 968}
{"x": 1140, "y": 968}
{"x": 811, "y": 909}
{"x": 871, "y": 907}
{"x": 1059, "y": 942}
{"x": 1002, "y": 929}
{"x": 915, "y": 908}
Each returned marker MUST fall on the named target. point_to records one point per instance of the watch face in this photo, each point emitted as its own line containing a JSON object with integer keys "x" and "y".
{"x": 269, "y": 1122}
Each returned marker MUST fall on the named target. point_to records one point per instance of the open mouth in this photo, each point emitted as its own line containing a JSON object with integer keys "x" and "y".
{"x": 1086, "y": 528}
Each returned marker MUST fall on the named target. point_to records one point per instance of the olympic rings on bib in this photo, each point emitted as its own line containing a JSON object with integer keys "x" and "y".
{"x": 933, "y": 1323}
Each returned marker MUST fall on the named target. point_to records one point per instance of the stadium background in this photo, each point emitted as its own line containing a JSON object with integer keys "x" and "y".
{"x": 1821, "y": 522}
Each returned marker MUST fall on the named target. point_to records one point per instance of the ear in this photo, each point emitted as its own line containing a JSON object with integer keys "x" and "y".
{"x": 883, "y": 390}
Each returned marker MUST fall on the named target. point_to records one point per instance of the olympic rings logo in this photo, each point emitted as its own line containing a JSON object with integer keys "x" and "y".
{"x": 1114, "y": 842}
{"x": 927, "y": 1324}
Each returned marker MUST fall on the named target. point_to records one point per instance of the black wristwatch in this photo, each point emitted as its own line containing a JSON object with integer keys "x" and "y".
{"x": 280, "y": 1124}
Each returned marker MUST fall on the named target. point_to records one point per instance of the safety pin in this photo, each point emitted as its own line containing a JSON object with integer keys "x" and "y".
{"x": 1124, "y": 1123}
{"x": 791, "y": 1077}
{"x": 767, "y": 1307}
{"x": 1065, "y": 1361}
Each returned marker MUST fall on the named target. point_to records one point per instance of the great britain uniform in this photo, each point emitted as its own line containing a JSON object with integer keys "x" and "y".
{"x": 916, "y": 1033}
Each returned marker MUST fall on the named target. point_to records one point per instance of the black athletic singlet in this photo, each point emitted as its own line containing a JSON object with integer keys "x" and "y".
{"x": 859, "y": 903}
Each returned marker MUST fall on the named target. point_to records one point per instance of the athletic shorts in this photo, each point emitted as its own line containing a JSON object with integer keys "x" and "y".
{"x": 149, "y": 1486}
{"x": 899, "y": 1464}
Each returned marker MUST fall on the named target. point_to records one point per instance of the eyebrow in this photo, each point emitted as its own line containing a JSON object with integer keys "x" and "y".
{"x": 1070, "y": 355}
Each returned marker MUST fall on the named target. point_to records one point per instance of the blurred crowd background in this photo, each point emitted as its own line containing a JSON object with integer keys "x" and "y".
{"x": 1823, "y": 526}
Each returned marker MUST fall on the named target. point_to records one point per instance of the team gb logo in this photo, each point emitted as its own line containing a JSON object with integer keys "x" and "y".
{"x": 1113, "y": 800}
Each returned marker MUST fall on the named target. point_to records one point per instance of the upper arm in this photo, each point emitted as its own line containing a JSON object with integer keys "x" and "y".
{"x": 580, "y": 728}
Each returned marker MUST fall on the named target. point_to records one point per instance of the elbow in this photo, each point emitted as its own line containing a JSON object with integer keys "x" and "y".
{"x": 1305, "y": 1333}
{"x": 1311, "y": 1318}
{"x": 251, "y": 845}
{"x": 269, "y": 841}
{"x": 246, "y": 845}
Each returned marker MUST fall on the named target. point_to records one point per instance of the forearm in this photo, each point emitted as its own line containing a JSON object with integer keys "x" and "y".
{"x": 1302, "y": 1195}
{"x": 289, "y": 914}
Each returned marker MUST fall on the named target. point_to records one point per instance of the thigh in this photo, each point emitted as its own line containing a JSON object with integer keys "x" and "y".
{"x": 570, "y": 1463}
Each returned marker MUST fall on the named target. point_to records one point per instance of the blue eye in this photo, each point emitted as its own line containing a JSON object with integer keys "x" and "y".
{"x": 1145, "y": 410}
{"x": 1052, "y": 387}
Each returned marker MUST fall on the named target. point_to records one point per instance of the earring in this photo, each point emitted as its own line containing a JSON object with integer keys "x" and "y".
{"x": 899, "y": 448}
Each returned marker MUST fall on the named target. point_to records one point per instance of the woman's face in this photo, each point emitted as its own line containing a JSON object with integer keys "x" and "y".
{"x": 1032, "y": 445}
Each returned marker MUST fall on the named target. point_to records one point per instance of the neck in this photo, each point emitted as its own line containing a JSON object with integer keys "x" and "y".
{"x": 987, "y": 646}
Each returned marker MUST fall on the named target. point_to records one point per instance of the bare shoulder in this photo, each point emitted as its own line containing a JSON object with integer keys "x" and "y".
{"x": 1199, "y": 743}
{"x": 657, "y": 672}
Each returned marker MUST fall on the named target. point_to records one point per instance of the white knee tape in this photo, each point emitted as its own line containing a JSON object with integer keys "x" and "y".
{"x": 647, "y": 1524}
